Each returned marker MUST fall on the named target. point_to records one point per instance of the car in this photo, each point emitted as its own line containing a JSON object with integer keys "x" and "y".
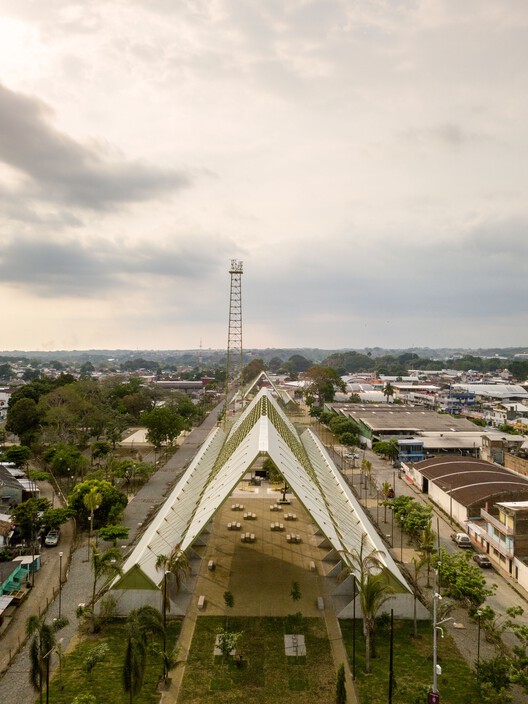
{"x": 483, "y": 561}
{"x": 52, "y": 538}
{"x": 461, "y": 539}
{"x": 351, "y": 455}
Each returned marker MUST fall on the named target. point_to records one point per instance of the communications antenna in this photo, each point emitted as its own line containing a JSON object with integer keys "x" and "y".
{"x": 234, "y": 336}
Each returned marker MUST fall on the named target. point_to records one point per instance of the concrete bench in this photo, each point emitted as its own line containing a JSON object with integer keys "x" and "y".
{"x": 201, "y": 602}
{"x": 288, "y": 538}
{"x": 312, "y": 566}
{"x": 211, "y": 565}
{"x": 320, "y": 603}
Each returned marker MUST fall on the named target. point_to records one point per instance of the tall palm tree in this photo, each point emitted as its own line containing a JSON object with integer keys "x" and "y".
{"x": 104, "y": 564}
{"x": 374, "y": 590}
{"x": 39, "y": 652}
{"x": 175, "y": 568}
{"x": 141, "y": 623}
{"x": 388, "y": 390}
{"x": 92, "y": 500}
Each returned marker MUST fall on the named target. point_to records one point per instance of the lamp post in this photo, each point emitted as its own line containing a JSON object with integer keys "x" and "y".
{"x": 433, "y": 697}
{"x": 89, "y": 535}
{"x": 401, "y": 538}
{"x": 354, "y": 631}
{"x": 165, "y": 673}
{"x": 46, "y": 658}
{"x": 479, "y": 614}
{"x": 60, "y": 583}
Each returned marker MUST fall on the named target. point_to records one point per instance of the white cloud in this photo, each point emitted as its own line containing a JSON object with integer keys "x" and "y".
{"x": 367, "y": 160}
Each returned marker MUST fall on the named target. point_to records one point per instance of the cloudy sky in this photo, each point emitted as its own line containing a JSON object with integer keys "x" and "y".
{"x": 367, "y": 161}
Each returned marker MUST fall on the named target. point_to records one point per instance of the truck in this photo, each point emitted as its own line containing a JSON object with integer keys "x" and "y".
{"x": 461, "y": 539}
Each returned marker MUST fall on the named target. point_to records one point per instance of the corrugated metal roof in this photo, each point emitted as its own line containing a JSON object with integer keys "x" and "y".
{"x": 472, "y": 481}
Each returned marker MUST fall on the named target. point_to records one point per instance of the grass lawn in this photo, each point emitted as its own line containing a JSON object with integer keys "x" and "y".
{"x": 413, "y": 665}
{"x": 267, "y": 675}
{"x": 105, "y": 680}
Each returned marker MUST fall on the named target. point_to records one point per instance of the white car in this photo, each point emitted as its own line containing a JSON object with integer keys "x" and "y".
{"x": 52, "y": 538}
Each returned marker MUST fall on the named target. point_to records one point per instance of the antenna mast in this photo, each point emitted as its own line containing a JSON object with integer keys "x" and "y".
{"x": 234, "y": 336}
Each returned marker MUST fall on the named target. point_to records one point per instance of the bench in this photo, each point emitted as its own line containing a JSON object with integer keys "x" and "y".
{"x": 320, "y": 603}
{"x": 312, "y": 566}
{"x": 211, "y": 565}
{"x": 201, "y": 602}
{"x": 288, "y": 538}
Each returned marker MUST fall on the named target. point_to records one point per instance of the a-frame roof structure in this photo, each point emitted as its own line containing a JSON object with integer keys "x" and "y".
{"x": 221, "y": 463}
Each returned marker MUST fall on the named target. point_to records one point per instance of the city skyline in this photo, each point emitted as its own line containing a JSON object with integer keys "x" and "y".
{"x": 366, "y": 161}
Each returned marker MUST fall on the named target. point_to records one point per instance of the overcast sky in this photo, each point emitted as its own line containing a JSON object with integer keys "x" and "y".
{"x": 367, "y": 161}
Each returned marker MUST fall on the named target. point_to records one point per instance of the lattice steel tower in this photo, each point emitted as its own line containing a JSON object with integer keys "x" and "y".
{"x": 234, "y": 337}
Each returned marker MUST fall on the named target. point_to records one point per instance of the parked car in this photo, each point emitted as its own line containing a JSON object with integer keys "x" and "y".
{"x": 461, "y": 539}
{"x": 483, "y": 561}
{"x": 52, "y": 538}
{"x": 351, "y": 455}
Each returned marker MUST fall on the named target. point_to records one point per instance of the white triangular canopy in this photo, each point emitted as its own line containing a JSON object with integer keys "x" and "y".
{"x": 221, "y": 463}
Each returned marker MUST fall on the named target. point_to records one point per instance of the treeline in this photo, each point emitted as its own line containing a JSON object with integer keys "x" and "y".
{"x": 350, "y": 362}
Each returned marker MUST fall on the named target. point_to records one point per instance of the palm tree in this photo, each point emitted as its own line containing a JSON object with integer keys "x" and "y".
{"x": 141, "y": 623}
{"x": 104, "y": 564}
{"x": 418, "y": 563}
{"x": 39, "y": 652}
{"x": 175, "y": 569}
{"x": 92, "y": 500}
{"x": 426, "y": 549}
{"x": 388, "y": 390}
{"x": 374, "y": 590}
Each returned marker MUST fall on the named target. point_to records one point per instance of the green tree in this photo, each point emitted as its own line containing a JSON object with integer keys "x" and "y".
{"x": 28, "y": 516}
{"x": 227, "y": 642}
{"x": 349, "y": 439}
{"x": 388, "y": 391}
{"x": 111, "y": 534}
{"x": 462, "y": 580}
{"x": 252, "y": 370}
{"x": 374, "y": 590}
{"x": 23, "y": 419}
{"x": 104, "y": 565}
{"x": 84, "y": 698}
{"x": 19, "y": 455}
{"x": 96, "y": 654}
{"x": 426, "y": 548}
{"x": 40, "y": 649}
{"x": 163, "y": 425}
{"x": 113, "y": 501}
{"x": 141, "y": 624}
{"x": 323, "y": 382}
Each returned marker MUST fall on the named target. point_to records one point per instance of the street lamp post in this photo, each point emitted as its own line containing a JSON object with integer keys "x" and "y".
{"x": 479, "y": 614}
{"x": 60, "y": 583}
{"x": 401, "y": 538}
{"x": 89, "y": 536}
{"x": 354, "y": 631}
